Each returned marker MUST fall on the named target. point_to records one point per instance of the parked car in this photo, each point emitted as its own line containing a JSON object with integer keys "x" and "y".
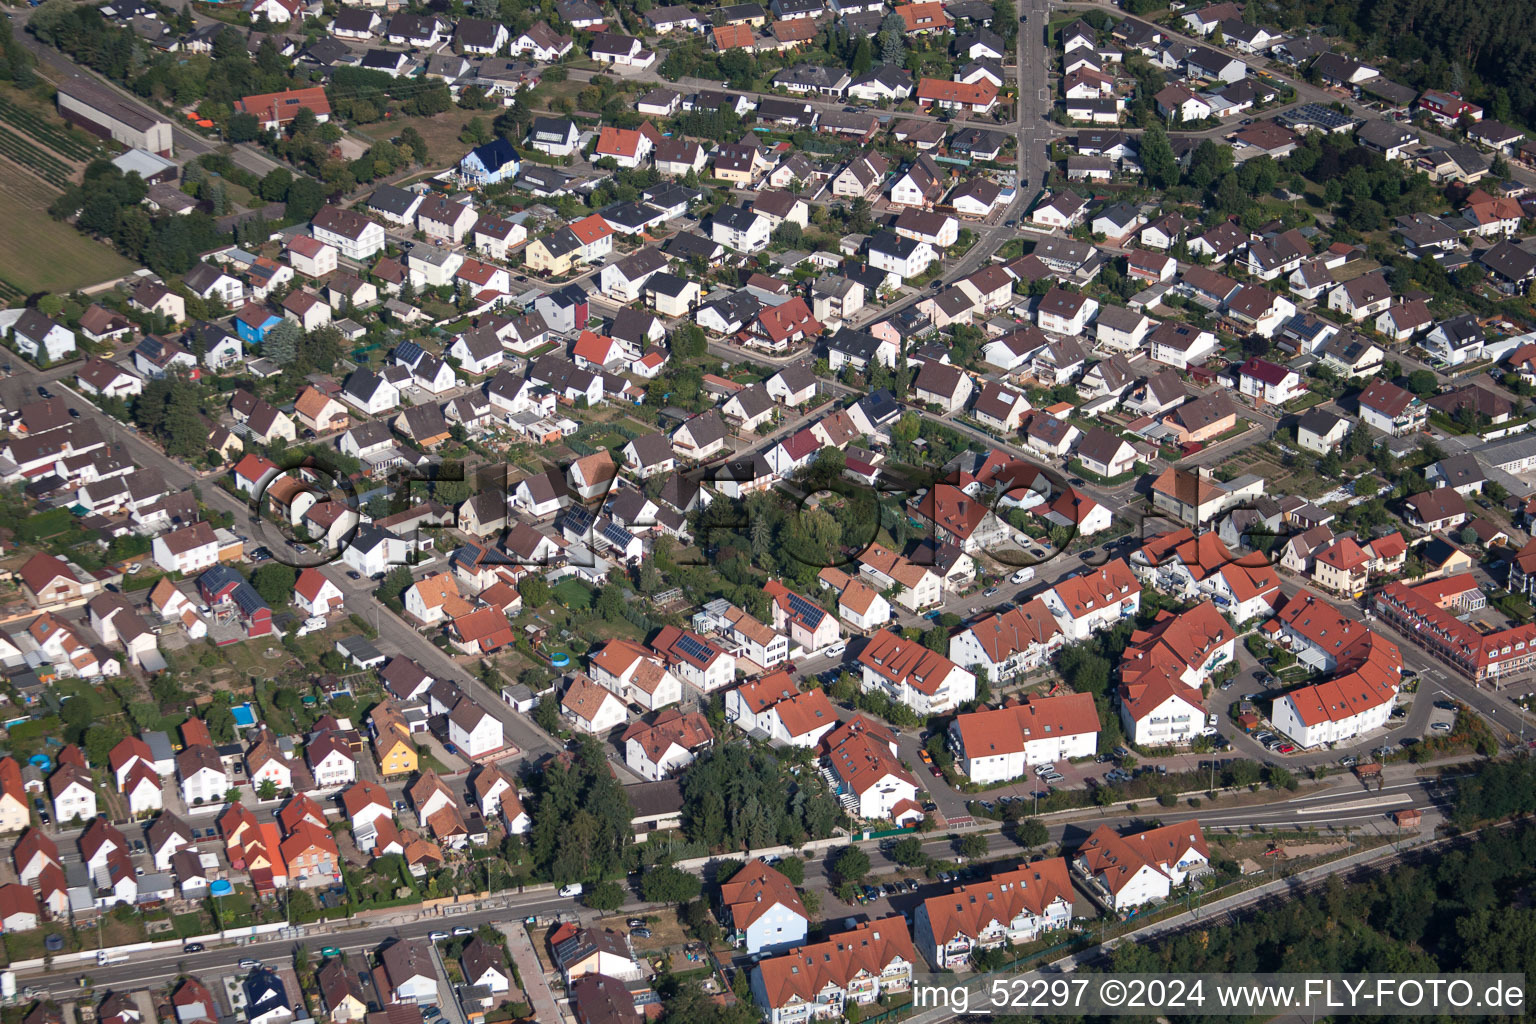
{"x": 989, "y": 592}
{"x": 461, "y": 930}
{"x": 249, "y": 964}
{"x": 640, "y": 933}
{"x": 837, "y": 650}
{"x": 574, "y": 889}
{"x": 437, "y": 936}
{"x": 1441, "y": 726}
{"x": 192, "y": 947}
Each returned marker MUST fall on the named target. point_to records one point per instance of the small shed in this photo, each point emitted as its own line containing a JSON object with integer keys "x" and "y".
{"x": 1408, "y": 818}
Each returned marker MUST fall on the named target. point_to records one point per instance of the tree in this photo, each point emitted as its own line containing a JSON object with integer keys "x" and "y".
{"x": 1157, "y": 158}
{"x": 546, "y": 714}
{"x": 1280, "y": 778}
{"x": 851, "y": 864}
{"x": 99, "y": 741}
{"x": 534, "y": 591}
{"x": 893, "y": 48}
{"x": 266, "y": 790}
{"x": 1032, "y": 832}
{"x": 305, "y": 197}
{"x": 274, "y": 582}
{"x": 244, "y": 127}
{"x": 793, "y": 868}
{"x": 606, "y": 896}
{"x": 610, "y": 603}
{"x": 475, "y": 132}
{"x": 411, "y": 138}
{"x": 689, "y": 341}
{"x": 973, "y": 846}
{"x": 282, "y": 342}
{"x": 275, "y": 186}
{"x": 1423, "y": 383}
{"x": 863, "y": 56}
{"x": 668, "y": 884}
{"x": 908, "y": 851}
{"x": 392, "y": 588}
{"x": 1242, "y": 772}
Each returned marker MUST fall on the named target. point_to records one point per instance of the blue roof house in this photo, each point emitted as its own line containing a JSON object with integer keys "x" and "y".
{"x": 253, "y": 322}
{"x": 486, "y": 165}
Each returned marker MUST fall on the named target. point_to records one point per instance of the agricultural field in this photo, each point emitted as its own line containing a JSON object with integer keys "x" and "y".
{"x": 38, "y": 253}
{"x": 39, "y": 155}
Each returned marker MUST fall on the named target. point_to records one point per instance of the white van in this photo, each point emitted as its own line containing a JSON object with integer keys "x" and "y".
{"x": 1023, "y": 575}
{"x": 574, "y": 889}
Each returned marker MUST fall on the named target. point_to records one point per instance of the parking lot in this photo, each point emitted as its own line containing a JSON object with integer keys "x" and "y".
{"x": 1076, "y": 776}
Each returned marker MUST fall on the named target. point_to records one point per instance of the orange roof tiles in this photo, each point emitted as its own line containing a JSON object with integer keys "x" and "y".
{"x": 1018, "y": 629}
{"x": 973, "y": 910}
{"x": 925, "y": 17}
{"x": 623, "y": 142}
{"x": 1109, "y": 584}
{"x": 903, "y": 660}
{"x": 731, "y": 37}
{"x": 688, "y": 730}
{"x": 1006, "y": 730}
{"x": 941, "y": 90}
{"x": 1117, "y": 859}
{"x": 754, "y": 890}
{"x": 867, "y": 951}
{"x": 591, "y": 228}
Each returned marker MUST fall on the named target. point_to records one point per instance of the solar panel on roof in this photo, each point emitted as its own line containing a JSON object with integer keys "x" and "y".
{"x": 617, "y": 535}
{"x": 693, "y": 648}
{"x": 807, "y": 612}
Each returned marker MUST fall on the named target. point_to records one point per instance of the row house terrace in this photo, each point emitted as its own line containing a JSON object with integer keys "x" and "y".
{"x": 1478, "y": 656}
{"x": 873, "y": 960}
{"x": 1015, "y": 907}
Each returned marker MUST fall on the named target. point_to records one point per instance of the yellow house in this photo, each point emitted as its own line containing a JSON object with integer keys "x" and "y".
{"x": 553, "y": 254}
{"x": 392, "y": 745}
{"x": 738, "y": 163}
{"x": 1342, "y": 568}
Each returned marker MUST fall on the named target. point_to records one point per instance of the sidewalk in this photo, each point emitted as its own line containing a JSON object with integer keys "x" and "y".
{"x": 530, "y": 971}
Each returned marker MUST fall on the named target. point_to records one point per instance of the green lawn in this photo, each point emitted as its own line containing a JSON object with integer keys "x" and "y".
{"x": 574, "y": 594}
{"x": 38, "y": 253}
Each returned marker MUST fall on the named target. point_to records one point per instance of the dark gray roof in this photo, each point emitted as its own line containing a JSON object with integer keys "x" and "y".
{"x": 392, "y": 200}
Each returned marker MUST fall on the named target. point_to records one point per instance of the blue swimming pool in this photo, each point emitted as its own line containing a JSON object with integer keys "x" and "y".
{"x": 245, "y": 715}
